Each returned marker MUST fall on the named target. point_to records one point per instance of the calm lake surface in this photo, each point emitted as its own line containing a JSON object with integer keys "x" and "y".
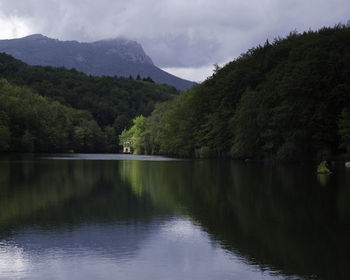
{"x": 130, "y": 217}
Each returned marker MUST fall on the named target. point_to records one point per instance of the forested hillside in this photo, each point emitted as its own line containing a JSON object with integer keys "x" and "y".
{"x": 288, "y": 99}
{"x": 36, "y": 98}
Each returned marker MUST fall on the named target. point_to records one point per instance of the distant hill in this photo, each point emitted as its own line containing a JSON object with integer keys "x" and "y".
{"x": 111, "y": 57}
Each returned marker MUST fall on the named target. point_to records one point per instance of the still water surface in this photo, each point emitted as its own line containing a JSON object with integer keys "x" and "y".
{"x": 129, "y": 217}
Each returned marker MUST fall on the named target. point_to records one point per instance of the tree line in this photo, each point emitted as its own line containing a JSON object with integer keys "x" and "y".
{"x": 46, "y": 109}
{"x": 289, "y": 100}
{"x": 32, "y": 123}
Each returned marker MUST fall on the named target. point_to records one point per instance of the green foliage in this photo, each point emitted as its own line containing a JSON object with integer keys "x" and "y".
{"x": 277, "y": 101}
{"x": 32, "y": 123}
{"x": 136, "y": 135}
{"x": 41, "y": 100}
{"x": 111, "y": 139}
{"x": 176, "y": 127}
{"x": 245, "y": 125}
{"x": 5, "y": 134}
{"x": 27, "y": 142}
{"x": 125, "y": 136}
{"x": 323, "y": 168}
{"x": 203, "y": 152}
{"x": 344, "y": 131}
{"x": 5, "y": 137}
{"x": 109, "y": 99}
{"x": 88, "y": 137}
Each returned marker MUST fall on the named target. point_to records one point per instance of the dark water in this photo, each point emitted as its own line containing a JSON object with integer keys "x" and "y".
{"x": 110, "y": 217}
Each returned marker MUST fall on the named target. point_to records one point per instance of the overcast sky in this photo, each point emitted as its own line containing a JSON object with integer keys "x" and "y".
{"x": 184, "y": 37}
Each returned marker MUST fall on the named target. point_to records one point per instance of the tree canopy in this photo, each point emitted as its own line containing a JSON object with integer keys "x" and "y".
{"x": 46, "y": 109}
{"x": 284, "y": 100}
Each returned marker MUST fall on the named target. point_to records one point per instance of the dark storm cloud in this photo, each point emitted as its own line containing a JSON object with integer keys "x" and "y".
{"x": 175, "y": 33}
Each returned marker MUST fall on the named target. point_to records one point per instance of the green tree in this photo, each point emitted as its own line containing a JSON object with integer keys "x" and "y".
{"x": 28, "y": 142}
{"x": 5, "y": 138}
{"x": 138, "y": 136}
{"x": 246, "y": 128}
{"x": 88, "y": 137}
{"x": 5, "y": 134}
{"x": 111, "y": 139}
{"x": 344, "y": 131}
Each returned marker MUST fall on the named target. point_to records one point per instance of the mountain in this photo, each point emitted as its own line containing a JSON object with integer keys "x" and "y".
{"x": 111, "y": 57}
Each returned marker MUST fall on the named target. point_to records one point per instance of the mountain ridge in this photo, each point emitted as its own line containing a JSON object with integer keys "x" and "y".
{"x": 108, "y": 57}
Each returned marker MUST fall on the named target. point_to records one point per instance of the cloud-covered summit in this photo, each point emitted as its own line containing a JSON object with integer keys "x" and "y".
{"x": 175, "y": 33}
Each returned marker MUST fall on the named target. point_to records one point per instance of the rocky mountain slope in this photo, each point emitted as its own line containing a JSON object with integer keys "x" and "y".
{"x": 111, "y": 57}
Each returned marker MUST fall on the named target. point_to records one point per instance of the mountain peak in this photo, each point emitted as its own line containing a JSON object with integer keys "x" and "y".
{"x": 117, "y": 56}
{"x": 35, "y": 37}
{"x": 128, "y": 49}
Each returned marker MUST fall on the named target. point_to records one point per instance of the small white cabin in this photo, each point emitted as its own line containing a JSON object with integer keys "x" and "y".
{"x": 127, "y": 147}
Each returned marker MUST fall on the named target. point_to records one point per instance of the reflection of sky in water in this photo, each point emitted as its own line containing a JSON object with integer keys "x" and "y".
{"x": 171, "y": 249}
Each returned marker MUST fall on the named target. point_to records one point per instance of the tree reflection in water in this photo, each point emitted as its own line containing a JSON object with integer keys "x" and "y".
{"x": 279, "y": 217}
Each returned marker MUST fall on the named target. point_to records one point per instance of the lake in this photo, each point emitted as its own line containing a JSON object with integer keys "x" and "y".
{"x": 142, "y": 217}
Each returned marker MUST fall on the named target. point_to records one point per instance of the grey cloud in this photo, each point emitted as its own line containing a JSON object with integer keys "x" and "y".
{"x": 178, "y": 33}
{"x": 181, "y": 50}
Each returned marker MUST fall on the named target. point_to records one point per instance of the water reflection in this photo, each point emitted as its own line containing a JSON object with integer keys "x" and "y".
{"x": 279, "y": 217}
{"x": 171, "y": 219}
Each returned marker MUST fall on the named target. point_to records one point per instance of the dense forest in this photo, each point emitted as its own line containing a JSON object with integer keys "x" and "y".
{"x": 46, "y": 109}
{"x": 288, "y": 99}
